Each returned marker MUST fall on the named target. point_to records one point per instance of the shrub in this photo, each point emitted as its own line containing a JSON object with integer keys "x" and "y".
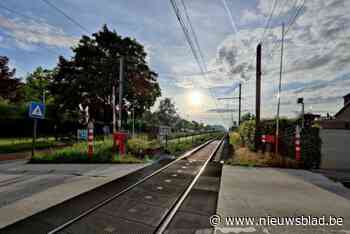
{"x": 140, "y": 147}
{"x": 247, "y": 133}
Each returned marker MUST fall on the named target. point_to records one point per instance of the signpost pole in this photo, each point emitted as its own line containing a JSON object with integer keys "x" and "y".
{"x": 35, "y": 123}
{"x": 120, "y": 93}
{"x": 36, "y": 111}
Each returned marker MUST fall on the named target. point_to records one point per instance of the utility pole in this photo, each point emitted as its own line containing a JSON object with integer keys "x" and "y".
{"x": 113, "y": 108}
{"x": 120, "y": 93}
{"x": 301, "y": 101}
{"x": 279, "y": 92}
{"x": 133, "y": 120}
{"x": 258, "y": 96}
{"x": 239, "y": 104}
{"x": 44, "y": 96}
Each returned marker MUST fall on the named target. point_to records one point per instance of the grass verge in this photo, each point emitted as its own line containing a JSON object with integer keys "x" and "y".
{"x": 245, "y": 157}
{"x": 77, "y": 153}
{"x": 15, "y": 145}
{"x": 139, "y": 150}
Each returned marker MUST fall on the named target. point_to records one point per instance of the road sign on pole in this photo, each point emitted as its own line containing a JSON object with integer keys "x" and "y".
{"x": 36, "y": 110}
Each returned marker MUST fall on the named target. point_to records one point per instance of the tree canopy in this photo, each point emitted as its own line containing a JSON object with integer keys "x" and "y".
{"x": 88, "y": 76}
{"x": 37, "y": 85}
{"x": 10, "y": 86}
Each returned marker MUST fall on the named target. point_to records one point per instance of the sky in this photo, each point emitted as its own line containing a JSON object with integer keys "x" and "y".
{"x": 315, "y": 60}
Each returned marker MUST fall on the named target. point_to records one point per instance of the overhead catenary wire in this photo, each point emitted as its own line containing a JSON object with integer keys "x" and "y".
{"x": 194, "y": 36}
{"x": 201, "y": 56}
{"x": 290, "y": 23}
{"x": 193, "y": 46}
{"x": 48, "y": 47}
{"x": 268, "y": 21}
{"x": 229, "y": 13}
{"x": 72, "y": 20}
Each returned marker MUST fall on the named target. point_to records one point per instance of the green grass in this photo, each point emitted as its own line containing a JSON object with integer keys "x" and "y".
{"x": 139, "y": 150}
{"x": 14, "y": 145}
{"x": 77, "y": 153}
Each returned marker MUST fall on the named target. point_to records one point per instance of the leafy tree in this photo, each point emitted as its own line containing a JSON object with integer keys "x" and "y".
{"x": 37, "y": 85}
{"x": 246, "y": 117}
{"x": 166, "y": 112}
{"x": 88, "y": 76}
{"x": 10, "y": 87}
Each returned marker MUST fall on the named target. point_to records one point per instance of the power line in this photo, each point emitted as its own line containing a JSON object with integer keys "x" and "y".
{"x": 267, "y": 25}
{"x": 67, "y": 16}
{"x": 27, "y": 29}
{"x": 193, "y": 45}
{"x": 293, "y": 20}
{"x": 205, "y": 70}
{"x": 16, "y": 12}
{"x": 194, "y": 35}
{"x": 230, "y": 16}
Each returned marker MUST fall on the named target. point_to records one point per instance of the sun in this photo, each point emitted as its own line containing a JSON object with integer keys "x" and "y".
{"x": 195, "y": 98}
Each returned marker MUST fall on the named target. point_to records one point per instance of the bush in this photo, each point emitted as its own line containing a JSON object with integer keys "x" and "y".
{"x": 310, "y": 140}
{"x": 311, "y": 147}
{"x": 247, "y": 134}
{"x": 138, "y": 150}
{"x": 235, "y": 138}
{"x": 140, "y": 147}
{"x": 103, "y": 153}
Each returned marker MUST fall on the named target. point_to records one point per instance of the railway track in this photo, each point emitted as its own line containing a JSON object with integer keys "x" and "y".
{"x": 148, "y": 205}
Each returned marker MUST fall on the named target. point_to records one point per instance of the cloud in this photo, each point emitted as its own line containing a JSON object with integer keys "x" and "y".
{"x": 30, "y": 32}
{"x": 249, "y": 16}
{"x": 315, "y": 54}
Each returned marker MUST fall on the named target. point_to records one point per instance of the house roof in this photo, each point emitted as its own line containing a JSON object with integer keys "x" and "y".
{"x": 347, "y": 95}
{"x": 347, "y": 105}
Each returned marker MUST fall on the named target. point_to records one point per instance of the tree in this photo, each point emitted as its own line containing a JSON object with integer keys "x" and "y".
{"x": 247, "y": 116}
{"x": 37, "y": 85}
{"x": 166, "y": 112}
{"x": 87, "y": 78}
{"x": 10, "y": 87}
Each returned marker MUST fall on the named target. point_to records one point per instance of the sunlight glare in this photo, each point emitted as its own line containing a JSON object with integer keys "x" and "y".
{"x": 195, "y": 98}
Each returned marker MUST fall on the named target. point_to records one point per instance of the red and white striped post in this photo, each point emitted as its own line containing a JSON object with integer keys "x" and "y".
{"x": 90, "y": 140}
{"x": 297, "y": 144}
{"x": 263, "y": 140}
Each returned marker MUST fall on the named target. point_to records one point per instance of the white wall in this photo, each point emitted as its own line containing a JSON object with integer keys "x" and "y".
{"x": 335, "y": 149}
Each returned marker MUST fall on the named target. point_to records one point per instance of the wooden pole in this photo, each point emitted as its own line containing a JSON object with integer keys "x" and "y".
{"x": 258, "y": 96}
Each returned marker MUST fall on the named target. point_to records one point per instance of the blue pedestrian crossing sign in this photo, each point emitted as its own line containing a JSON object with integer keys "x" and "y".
{"x": 36, "y": 110}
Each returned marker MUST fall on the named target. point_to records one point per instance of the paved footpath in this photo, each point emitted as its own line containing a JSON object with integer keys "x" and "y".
{"x": 263, "y": 192}
{"x": 26, "y": 189}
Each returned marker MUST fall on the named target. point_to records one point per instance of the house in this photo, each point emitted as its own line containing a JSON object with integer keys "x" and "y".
{"x": 344, "y": 113}
{"x": 341, "y": 119}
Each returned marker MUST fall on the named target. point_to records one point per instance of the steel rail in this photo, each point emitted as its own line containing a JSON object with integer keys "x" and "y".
{"x": 87, "y": 212}
{"x": 171, "y": 213}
